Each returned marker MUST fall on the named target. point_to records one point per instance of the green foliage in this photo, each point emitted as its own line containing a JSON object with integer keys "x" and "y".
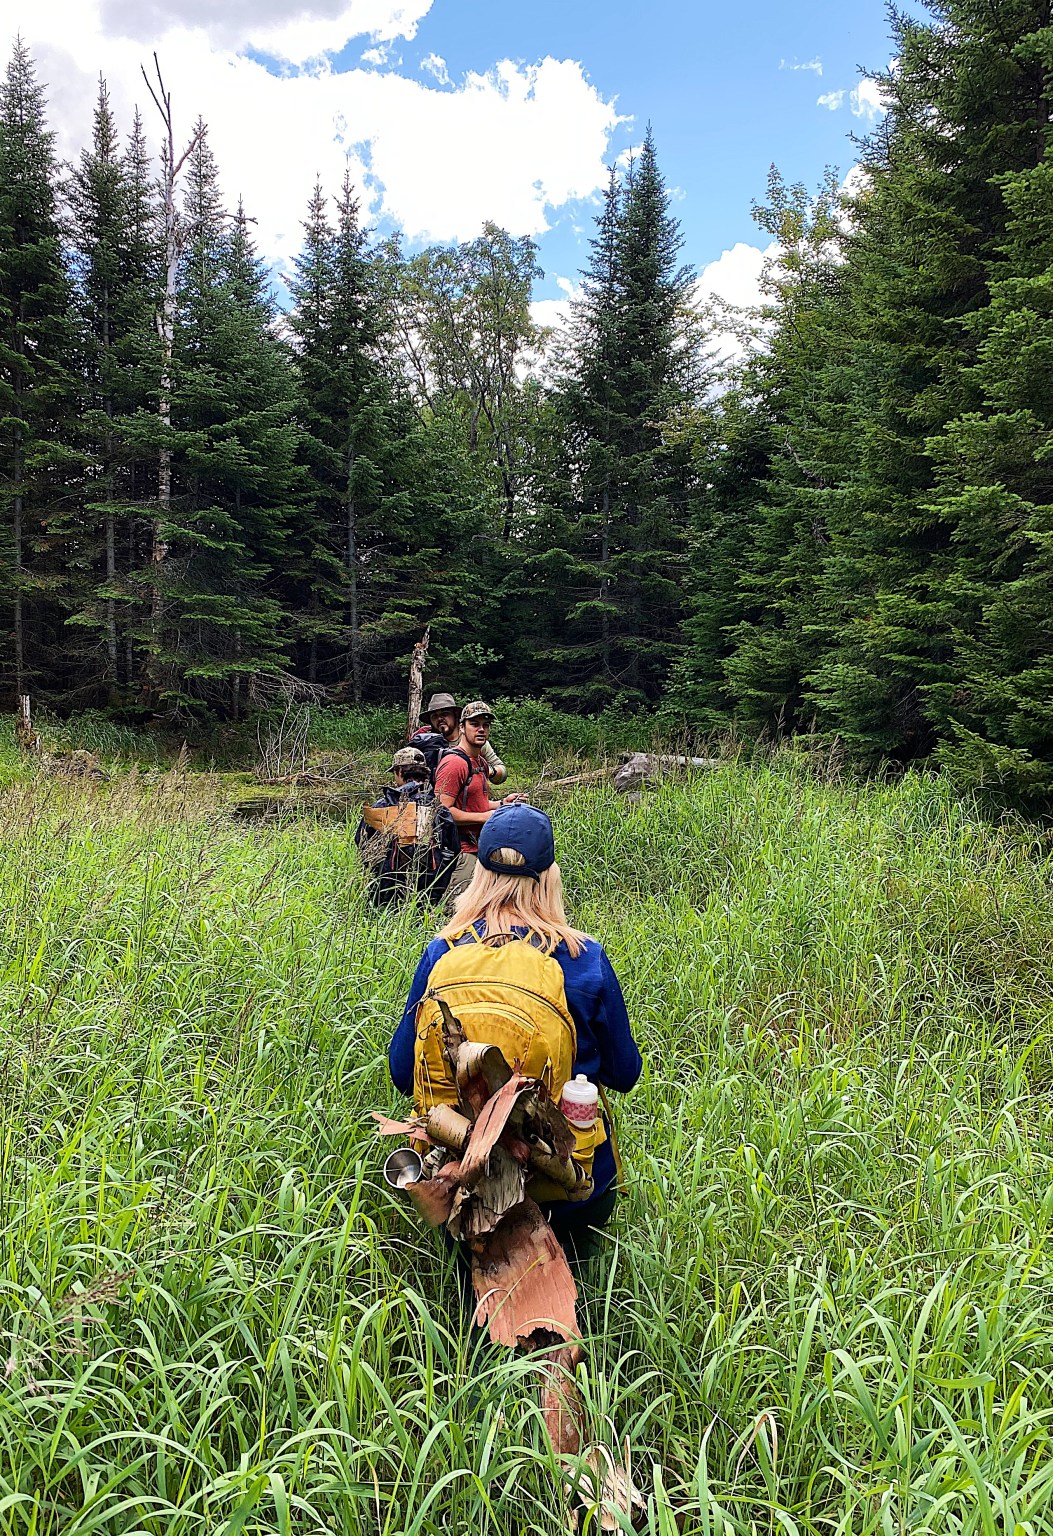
{"x": 613, "y": 534}
{"x": 36, "y": 377}
{"x": 116, "y": 280}
{"x": 891, "y": 518}
{"x": 824, "y": 1304}
{"x": 381, "y": 550}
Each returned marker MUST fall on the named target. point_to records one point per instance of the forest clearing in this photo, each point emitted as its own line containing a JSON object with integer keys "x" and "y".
{"x": 824, "y": 1303}
{"x": 751, "y": 547}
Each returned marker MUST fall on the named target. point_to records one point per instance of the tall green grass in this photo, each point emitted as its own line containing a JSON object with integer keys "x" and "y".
{"x": 826, "y": 1304}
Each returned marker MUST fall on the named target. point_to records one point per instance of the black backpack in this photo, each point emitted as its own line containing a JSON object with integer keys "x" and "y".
{"x": 432, "y": 745}
{"x": 424, "y": 867}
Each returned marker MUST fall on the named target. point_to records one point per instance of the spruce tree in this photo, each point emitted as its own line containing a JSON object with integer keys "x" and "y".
{"x": 773, "y": 489}
{"x": 388, "y": 515}
{"x": 622, "y": 527}
{"x": 995, "y": 492}
{"x": 36, "y": 379}
{"x": 235, "y": 484}
{"x": 114, "y": 240}
{"x": 963, "y": 111}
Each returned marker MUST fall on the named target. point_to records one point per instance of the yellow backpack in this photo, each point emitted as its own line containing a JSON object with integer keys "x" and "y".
{"x": 505, "y": 992}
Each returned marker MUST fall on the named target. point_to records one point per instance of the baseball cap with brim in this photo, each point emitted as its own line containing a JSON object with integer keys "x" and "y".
{"x": 476, "y": 710}
{"x": 409, "y": 757}
{"x": 523, "y": 828}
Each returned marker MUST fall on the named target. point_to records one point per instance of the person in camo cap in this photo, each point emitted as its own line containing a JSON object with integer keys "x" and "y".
{"x": 444, "y": 720}
{"x": 462, "y": 785}
{"x": 398, "y": 870}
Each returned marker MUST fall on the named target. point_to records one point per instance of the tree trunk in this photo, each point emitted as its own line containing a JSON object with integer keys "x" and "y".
{"x": 108, "y": 524}
{"x": 20, "y": 639}
{"x": 165, "y": 323}
{"x": 111, "y": 607}
{"x": 352, "y": 582}
{"x": 605, "y": 581}
{"x": 129, "y": 643}
{"x": 416, "y": 682}
{"x": 166, "y": 332}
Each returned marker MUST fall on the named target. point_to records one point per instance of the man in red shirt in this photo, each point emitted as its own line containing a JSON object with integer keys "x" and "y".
{"x": 461, "y": 783}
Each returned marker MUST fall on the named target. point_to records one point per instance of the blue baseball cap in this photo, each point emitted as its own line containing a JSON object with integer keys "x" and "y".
{"x": 523, "y": 828}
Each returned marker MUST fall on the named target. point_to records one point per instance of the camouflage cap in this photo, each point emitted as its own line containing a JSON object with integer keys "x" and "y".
{"x": 476, "y": 710}
{"x": 409, "y": 757}
{"x": 440, "y": 701}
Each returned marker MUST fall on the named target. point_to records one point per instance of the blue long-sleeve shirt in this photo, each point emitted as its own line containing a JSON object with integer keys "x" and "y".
{"x": 607, "y": 1052}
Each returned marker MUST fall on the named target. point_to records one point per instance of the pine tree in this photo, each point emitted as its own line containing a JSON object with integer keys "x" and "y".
{"x": 774, "y": 487}
{"x": 622, "y": 531}
{"x": 733, "y": 442}
{"x": 386, "y": 519}
{"x": 235, "y": 484}
{"x": 36, "y": 380}
{"x": 962, "y": 112}
{"x": 995, "y": 492}
{"x": 114, "y": 240}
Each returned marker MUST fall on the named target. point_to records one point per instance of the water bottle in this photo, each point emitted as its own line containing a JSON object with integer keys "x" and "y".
{"x": 580, "y": 1102}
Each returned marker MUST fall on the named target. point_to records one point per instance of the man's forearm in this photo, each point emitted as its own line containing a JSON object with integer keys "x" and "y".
{"x": 498, "y": 771}
{"x": 468, "y": 818}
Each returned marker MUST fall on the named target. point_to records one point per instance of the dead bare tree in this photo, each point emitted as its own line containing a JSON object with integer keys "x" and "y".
{"x": 175, "y": 232}
{"x": 283, "y": 740}
{"x": 25, "y": 736}
{"x": 416, "y": 682}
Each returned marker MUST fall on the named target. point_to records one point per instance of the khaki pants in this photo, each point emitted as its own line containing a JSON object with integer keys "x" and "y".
{"x": 461, "y": 878}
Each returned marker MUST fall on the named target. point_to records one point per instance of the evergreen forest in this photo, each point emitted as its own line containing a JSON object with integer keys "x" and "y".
{"x": 218, "y": 485}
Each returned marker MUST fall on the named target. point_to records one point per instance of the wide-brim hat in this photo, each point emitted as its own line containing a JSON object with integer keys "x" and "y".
{"x": 476, "y": 710}
{"x": 440, "y": 701}
{"x": 528, "y": 831}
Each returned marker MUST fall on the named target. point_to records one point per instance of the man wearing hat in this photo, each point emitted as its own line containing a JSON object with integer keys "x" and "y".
{"x": 462, "y": 784}
{"x": 444, "y": 720}
{"x": 409, "y": 843}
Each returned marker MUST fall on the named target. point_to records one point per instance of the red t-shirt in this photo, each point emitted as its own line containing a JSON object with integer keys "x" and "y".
{"x": 451, "y": 776}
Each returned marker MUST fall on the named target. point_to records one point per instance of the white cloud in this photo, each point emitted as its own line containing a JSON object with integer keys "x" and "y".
{"x": 436, "y": 65}
{"x": 735, "y": 275}
{"x": 855, "y": 180}
{"x": 831, "y": 100}
{"x": 815, "y": 65}
{"x": 555, "y": 312}
{"x": 868, "y": 100}
{"x": 734, "y": 279}
{"x": 509, "y": 145}
{"x": 293, "y": 30}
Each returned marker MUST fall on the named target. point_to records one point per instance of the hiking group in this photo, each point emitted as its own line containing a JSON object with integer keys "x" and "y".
{"x": 514, "y": 1028}
{"x": 511, "y": 970}
{"x": 421, "y": 836}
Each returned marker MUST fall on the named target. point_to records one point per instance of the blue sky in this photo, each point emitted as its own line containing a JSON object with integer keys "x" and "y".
{"x": 452, "y": 111}
{"x": 718, "y": 83}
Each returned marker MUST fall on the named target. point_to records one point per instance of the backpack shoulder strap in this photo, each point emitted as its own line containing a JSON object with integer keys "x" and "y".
{"x": 474, "y": 769}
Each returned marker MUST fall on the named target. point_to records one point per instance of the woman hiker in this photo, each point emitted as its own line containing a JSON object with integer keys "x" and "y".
{"x": 511, "y": 921}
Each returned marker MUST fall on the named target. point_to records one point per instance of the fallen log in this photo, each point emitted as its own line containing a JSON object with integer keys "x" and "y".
{"x": 644, "y": 767}
{"x": 636, "y": 768}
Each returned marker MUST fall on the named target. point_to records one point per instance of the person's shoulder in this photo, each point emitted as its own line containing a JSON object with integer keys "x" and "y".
{"x": 589, "y": 957}
{"x": 452, "y": 766}
{"x": 434, "y": 950}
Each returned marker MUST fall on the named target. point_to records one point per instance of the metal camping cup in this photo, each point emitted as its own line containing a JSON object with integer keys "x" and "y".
{"x": 403, "y": 1167}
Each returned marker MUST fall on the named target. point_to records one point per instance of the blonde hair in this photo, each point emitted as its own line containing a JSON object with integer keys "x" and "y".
{"x": 503, "y": 902}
